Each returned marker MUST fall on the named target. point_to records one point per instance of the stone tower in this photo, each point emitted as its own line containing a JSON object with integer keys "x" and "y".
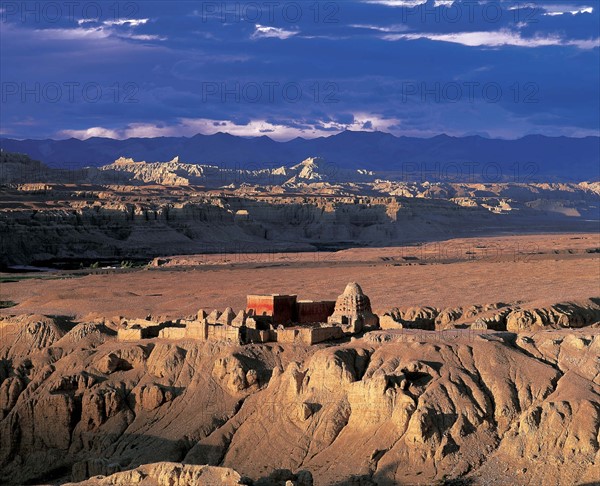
{"x": 353, "y": 310}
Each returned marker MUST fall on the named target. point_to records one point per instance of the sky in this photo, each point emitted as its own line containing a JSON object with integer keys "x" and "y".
{"x": 286, "y": 69}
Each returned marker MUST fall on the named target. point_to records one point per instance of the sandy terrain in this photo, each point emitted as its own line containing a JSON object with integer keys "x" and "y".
{"x": 549, "y": 268}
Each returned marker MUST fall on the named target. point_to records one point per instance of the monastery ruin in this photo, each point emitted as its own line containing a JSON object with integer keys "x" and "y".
{"x": 268, "y": 318}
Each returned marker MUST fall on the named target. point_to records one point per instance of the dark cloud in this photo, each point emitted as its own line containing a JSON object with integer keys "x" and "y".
{"x": 458, "y": 68}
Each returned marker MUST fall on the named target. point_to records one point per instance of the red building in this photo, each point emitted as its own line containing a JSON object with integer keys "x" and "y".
{"x": 287, "y": 310}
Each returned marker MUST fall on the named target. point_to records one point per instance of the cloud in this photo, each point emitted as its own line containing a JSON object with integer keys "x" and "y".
{"x": 553, "y": 9}
{"x": 254, "y": 128}
{"x": 77, "y": 33}
{"x": 382, "y": 28}
{"x": 170, "y": 74}
{"x": 129, "y": 22}
{"x": 265, "y": 31}
{"x": 497, "y": 38}
{"x": 327, "y": 37}
{"x": 81, "y": 33}
{"x": 119, "y": 22}
{"x": 145, "y": 37}
{"x": 282, "y": 131}
{"x": 572, "y": 12}
{"x": 89, "y": 132}
{"x": 548, "y": 8}
{"x": 410, "y": 3}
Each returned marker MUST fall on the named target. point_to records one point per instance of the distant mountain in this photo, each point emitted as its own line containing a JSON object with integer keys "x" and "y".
{"x": 17, "y": 168}
{"x": 472, "y": 158}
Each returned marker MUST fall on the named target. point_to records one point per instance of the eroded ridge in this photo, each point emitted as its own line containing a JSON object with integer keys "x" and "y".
{"x": 388, "y": 406}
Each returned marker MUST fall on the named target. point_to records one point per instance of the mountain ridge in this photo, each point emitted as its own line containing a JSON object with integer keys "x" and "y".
{"x": 550, "y": 158}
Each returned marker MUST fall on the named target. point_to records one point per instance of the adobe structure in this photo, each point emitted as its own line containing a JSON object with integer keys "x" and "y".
{"x": 286, "y": 309}
{"x": 353, "y": 311}
{"x": 275, "y": 309}
{"x": 270, "y": 318}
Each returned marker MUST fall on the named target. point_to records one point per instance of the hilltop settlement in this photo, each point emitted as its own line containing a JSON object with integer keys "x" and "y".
{"x": 267, "y": 318}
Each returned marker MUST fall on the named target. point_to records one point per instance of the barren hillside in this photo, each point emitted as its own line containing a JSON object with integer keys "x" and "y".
{"x": 390, "y": 408}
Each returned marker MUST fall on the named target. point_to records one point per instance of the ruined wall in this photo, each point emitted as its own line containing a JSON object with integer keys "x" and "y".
{"x": 150, "y": 329}
{"x": 308, "y": 335}
{"x": 387, "y": 321}
{"x": 129, "y": 334}
{"x": 291, "y": 335}
{"x": 320, "y": 334}
{"x": 197, "y": 330}
{"x": 224, "y": 333}
{"x": 308, "y": 311}
{"x": 173, "y": 333}
{"x": 259, "y": 336}
{"x": 281, "y": 308}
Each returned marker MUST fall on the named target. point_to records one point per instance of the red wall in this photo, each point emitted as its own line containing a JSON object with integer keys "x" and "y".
{"x": 285, "y": 309}
{"x": 308, "y": 312}
{"x": 261, "y": 305}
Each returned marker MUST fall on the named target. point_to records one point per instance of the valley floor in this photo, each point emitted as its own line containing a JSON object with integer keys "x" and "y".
{"x": 533, "y": 268}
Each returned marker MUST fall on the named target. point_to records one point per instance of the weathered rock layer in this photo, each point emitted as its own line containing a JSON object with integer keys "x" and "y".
{"x": 394, "y": 407}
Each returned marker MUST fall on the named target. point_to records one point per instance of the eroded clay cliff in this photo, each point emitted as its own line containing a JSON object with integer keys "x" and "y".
{"x": 393, "y": 407}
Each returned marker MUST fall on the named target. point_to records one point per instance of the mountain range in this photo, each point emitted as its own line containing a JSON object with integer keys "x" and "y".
{"x": 528, "y": 159}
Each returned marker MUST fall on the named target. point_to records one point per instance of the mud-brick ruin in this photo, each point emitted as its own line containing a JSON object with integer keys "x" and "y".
{"x": 268, "y": 318}
{"x": 353, "y": 311}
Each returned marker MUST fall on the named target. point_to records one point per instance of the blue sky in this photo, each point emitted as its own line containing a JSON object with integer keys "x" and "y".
{"x": 287, "y": 69}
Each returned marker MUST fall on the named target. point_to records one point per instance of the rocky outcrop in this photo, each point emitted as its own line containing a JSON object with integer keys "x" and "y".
{"x": 569, "y": 314}
{"x": 168, "y": 473}
{"x": 411, "y": 318}
{"x": 497, "y": 317}
{"x": 390, "y": 408}
{"x": 177, "y": 474}
{"x": 33, "y": 332}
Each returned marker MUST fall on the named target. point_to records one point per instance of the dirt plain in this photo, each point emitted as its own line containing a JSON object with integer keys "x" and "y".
{"x": 531, "y": 268}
